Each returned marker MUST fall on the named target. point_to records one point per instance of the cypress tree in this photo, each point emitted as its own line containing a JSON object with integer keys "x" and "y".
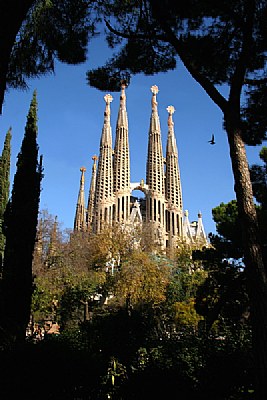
{"x": 4, "y": 188}
{"x": 20, "y": 225}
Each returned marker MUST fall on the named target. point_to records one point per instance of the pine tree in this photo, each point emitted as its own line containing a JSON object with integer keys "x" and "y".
{"x": 4, "y": 187}
{"x": 20, "y": 225}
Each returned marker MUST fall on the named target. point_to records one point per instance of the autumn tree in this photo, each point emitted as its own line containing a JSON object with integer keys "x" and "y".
{"x": 4, "y": 188}
{"x": 20, "y": 223}
{"x": 76, "y": 275}
{"x": 142, "y": 279}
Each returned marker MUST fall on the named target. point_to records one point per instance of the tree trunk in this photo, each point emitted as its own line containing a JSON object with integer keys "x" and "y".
{"x": 256, "y": 277}
{"x": 86, "y": 312}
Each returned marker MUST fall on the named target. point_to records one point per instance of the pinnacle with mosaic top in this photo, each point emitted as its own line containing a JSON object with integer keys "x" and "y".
{"x": 170, "y": 110}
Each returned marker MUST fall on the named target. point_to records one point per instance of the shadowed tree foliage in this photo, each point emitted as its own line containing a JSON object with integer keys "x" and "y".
{"x": 228, "y": 240}
{"x": 4, "y": 188}
{"x": 14, "y": 12}
{"x": 224, "y": 291}
{"x": 259, "y": 179}
{"x": 223, "y": 298}
{"x": 39, "y": 32}
{"x": 259, "y": 183}
{"x": 20, "y": 223}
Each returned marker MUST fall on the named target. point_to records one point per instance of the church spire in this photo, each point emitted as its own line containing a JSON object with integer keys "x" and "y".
{"x": 106, "y": 138}
{"x": 121, "y": 162}
{"x": 104, "y": 177}
{"x": 155, "y": 169}
{"x": 174, "y": 214}
{"x": 173, "y": 181}
{"x": 187, "y": 228}
{"x": 155, "y": 200}
{"x": 154, "y": 121}
{"x": 91, "y": 197}
{"x": 122, "y": 116}
{"x": 200, "y": 233}
{"x": 171, "y": 142}
{"x": 79, "y": 221}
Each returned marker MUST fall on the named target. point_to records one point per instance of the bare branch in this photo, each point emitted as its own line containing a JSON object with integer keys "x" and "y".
{"x": 255, "y": 82}
{"x": 134, "y": 35}
{"x": 206, "y": 84}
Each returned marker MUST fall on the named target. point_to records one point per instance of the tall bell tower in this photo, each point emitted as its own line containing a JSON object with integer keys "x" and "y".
{"x": 104, "y": 195}
{"x": 173, "y": 188}
{"x": 155, "y": 197}
{"x": 121, "y": 164}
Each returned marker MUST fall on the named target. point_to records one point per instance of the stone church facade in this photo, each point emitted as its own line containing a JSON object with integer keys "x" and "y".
{"x": 110, "y": 199}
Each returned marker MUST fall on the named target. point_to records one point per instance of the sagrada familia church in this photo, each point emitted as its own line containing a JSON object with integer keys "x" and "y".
{"x": 110, "y": 199}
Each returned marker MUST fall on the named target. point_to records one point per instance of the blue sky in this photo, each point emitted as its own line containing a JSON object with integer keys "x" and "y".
{"x": 70, "y": 120}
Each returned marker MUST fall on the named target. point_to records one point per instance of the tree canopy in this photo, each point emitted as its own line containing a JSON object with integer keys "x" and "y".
{"x": 38, "y": 33}
{"x": 210, "y": 39}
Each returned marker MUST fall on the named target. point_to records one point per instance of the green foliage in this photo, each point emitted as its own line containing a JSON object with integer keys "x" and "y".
{"x": 258, "y": 175}
{"x": 186, "y": 315}
{"x": 142, "y": 280}
{"x": 23, "y": 208}
{"x": 53, "y": 29}
{"x": 137, "y": 56}
{"x": 223, "y": 299}
{"x": 108, "y": 78}
{"x": 223, "y": 295}
{"x": 70, "y": 281}
{"x": 229, "y": 240}
{"x": 116, "y": 375}
{"x": 259, "y": 179}
{"x": 186, "y": 275}
{"x": 255, "y": 120}
{"x": 69, "y": 287}
{"x": 225, "y": 216}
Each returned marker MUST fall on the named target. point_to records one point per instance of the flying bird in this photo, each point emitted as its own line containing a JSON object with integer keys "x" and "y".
{"x": 212, "y": 141}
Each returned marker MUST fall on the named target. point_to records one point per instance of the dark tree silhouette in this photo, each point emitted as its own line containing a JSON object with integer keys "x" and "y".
{"x": 37, "y": 33}
{"x": 12, "y": 14}
{"x": 20, "y": 224}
